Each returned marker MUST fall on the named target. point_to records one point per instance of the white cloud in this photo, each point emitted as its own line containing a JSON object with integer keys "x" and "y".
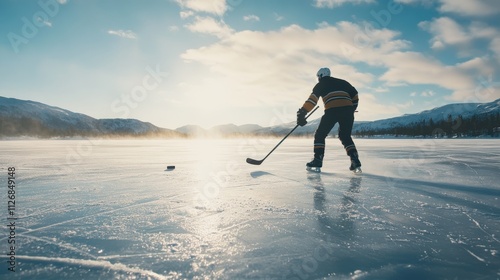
{"x": 479, "y": 65}
{"x": 448, "y": 32}
{"x": 471, "y": 8}
{"x": 378, "y": 89}
{"x": 336, "y": 3}
{"x": 277, "y": 67}
{"x": 186, "y": 14}
{"x": 481, "y": 30}
{"x": 217, "y": 7}
{"x": 128, "y": 34}
{"x": 278, "y": 17}
{"x": 415, "y": 68}
{"x": 495, "y": 47}
{"x": 209, "y": 25}
{"x": 267, "y": 52}
{"x": 62, "y": 2}
{"x": 426, "y": 3}
{"x": 482, "y": 87}
{"x": 406, "y": 105}
{"x": 370, "y": 108}
{"x": 428, "y": 93}
{"x": 251, "y": 18}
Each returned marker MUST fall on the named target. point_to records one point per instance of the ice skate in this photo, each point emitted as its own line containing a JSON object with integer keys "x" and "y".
{"x": 315, "y": 165}
{"x": 355, "y": 163}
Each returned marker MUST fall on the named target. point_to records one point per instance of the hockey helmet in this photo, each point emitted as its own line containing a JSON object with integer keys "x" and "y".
{"x": 323, "y": 72}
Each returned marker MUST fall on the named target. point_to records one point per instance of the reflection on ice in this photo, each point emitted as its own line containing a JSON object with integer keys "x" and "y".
{"x": 339, "y": 225}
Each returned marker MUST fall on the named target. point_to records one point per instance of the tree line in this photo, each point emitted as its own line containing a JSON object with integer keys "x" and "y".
{"x": 476, "y": 125}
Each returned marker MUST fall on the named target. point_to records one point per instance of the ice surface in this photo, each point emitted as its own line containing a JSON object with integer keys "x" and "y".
{"x": 102, "y": 209}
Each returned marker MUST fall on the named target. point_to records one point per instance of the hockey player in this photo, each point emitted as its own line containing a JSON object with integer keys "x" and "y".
{"x": 340, "y": 100}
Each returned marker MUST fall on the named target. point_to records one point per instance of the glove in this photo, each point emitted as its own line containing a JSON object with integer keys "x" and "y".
{"x": 301, "y": 117}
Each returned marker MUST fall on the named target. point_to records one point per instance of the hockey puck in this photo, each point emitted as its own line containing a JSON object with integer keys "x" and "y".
{"x": 170, "y": 168}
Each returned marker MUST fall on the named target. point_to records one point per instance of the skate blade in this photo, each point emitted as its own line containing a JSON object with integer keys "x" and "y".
{"x": 357, "y": 170}
{"x": 314, "y": 169}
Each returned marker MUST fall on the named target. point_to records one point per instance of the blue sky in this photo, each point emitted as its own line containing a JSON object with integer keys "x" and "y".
{"x": 211, "y": 62}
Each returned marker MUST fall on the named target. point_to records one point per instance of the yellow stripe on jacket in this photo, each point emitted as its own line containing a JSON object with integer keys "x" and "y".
{"x": 338, "y": 99}
{"x": 310, "y": 102}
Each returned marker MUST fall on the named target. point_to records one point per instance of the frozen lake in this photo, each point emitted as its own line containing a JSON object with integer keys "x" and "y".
{"x": 102, "y": 209}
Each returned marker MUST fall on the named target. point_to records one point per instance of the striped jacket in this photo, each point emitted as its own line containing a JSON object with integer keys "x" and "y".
{"x": 334, "y": 92}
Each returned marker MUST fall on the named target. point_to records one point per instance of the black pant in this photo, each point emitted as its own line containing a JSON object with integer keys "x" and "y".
{"x": 345, "y": 117}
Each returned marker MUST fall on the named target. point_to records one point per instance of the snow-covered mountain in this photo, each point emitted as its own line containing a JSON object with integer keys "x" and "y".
{"x": 20, "y": 117}
{"x": 231, "y": 129}
{"x": 192, "y": 130}
{"x": 48, "y": 116}
{"x": 124, "y": 126}
{"x": 30, "y": 118}
{"x": 220, "y": 130}
{"x": 466, "y": 110}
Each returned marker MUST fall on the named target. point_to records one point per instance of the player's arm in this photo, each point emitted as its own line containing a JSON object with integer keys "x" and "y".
{"x": 310, "y": 103}
{"x": 307, "y": 107}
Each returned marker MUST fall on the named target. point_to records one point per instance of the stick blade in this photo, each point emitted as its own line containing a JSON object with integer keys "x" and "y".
{"x": 253, "y": 161}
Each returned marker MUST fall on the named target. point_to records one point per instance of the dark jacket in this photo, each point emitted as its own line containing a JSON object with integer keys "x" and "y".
{"x": 334, "y": 92}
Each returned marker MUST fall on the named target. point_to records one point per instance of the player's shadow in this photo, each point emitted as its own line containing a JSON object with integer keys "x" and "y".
{"x": 257, "y": 174}
{"x": 444, "y": 191}
{"x": 342, "y": 225}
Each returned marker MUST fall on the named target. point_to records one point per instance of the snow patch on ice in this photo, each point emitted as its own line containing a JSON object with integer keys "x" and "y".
{"x": 475, "y": 256}
{"x": 96, "y": 264}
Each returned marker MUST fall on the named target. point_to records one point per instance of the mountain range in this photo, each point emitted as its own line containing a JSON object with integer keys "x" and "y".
{"x": 464, "y": 110}
{"x": 30, "y": 118}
